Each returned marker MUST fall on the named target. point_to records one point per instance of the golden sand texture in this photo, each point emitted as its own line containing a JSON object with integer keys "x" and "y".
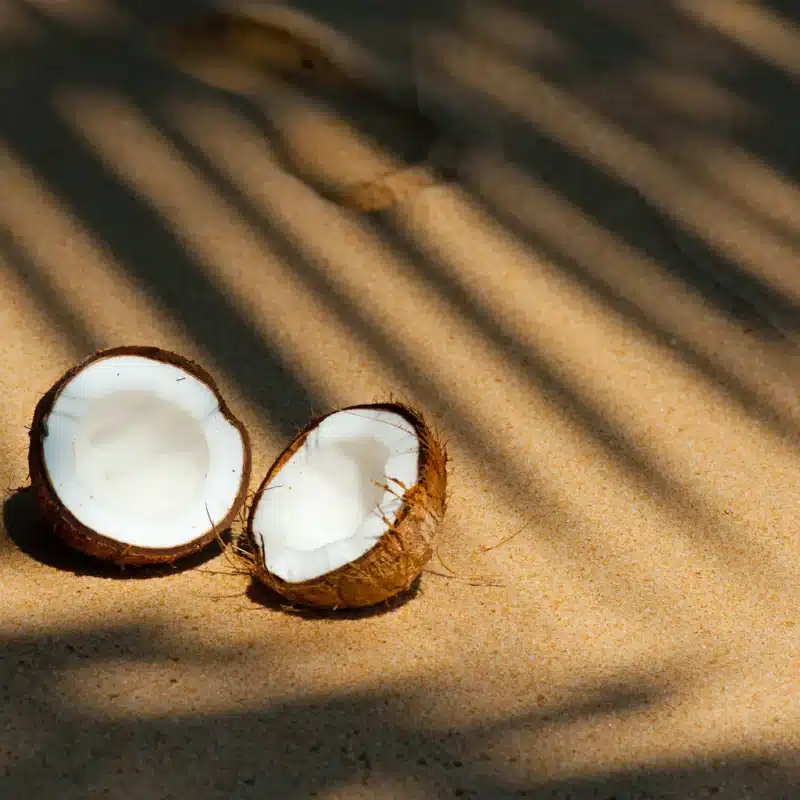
{"x": 601, "y": 315}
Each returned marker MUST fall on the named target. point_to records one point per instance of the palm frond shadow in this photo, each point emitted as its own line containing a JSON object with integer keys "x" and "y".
{"x": 134, "y": 232}
{"x": 150, "y": 253}
{"x": 305, "y": 744}
{"x": 298, "y": 746}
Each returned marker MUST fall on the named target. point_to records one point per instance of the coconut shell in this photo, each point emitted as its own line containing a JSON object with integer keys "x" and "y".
{"x": 74, "y": 533}
{"x": 398, "y": 557}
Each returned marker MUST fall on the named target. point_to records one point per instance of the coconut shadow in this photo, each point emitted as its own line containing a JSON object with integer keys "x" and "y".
{"x": 26, "y": 530}
{"x": 262, "y": 595}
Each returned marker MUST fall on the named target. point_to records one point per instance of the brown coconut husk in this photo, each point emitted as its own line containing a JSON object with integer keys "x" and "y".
{"x": 397, "y": 558}
{"x": 80, "y": 537}
{"x": 243, "y": 47}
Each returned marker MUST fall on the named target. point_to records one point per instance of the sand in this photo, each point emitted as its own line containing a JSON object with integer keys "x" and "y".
{"x": 601, "y": 314}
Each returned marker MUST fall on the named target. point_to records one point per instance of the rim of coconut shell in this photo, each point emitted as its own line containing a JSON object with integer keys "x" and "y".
{"x": 78, "y": 535}
{"x": 349, "y": 587}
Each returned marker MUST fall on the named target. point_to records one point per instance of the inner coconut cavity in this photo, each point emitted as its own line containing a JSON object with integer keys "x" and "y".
{"x": 327, "y": 506}
{"x": 139, "y": 451}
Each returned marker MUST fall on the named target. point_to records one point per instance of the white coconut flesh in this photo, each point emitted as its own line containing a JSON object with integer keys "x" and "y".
{"x": 139, "y": 451}
{"x": 326, "y": 506}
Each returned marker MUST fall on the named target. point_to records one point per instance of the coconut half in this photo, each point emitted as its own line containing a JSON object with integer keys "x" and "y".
{"x": 346, "y": 516}
{"x": 135, "y": 457}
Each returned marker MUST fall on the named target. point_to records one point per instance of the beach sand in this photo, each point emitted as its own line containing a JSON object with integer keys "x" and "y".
{"x": 600, "y": 311}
